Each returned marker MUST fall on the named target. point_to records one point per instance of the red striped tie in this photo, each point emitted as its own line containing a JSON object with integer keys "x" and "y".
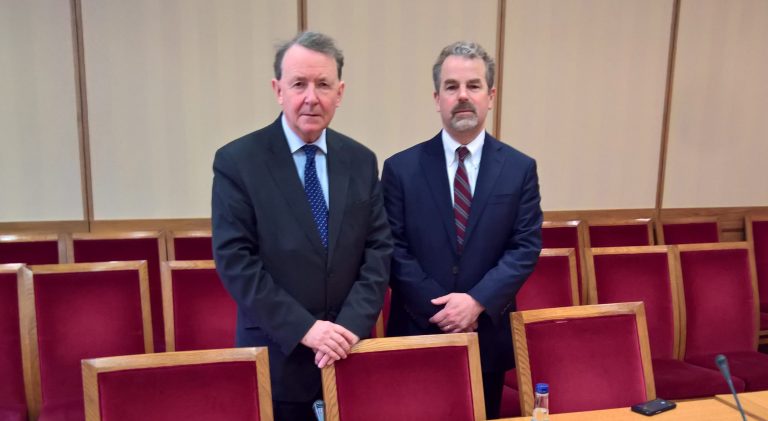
{"x": 462, "y": 198}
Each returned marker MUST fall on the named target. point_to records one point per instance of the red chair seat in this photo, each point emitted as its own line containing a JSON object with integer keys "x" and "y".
{"x": 64, "y": 411}
{"x": 13, "y": 413}
{"x": 751, "y": 366}
{"x": 510, "y": 403}
{"x": 510, "y": 378}
{"x": 677, "y": 379}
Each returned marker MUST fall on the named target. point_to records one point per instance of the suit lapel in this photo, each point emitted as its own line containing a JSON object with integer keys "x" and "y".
{"x": 338, "y": 181}
{"x": 491, "y": 164}
{"x": 436, "y": 173}
{"x": 283, "y": 171}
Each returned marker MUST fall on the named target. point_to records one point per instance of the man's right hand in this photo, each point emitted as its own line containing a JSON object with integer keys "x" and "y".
{"x": 330, "y": 340}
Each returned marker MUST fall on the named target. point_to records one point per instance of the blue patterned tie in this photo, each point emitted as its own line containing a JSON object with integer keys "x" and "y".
{"x": 315, "y": 194}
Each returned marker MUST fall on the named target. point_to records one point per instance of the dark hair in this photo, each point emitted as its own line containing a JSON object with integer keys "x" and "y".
{"x": 314, "y": 41}
{"x": 470, "y": 50}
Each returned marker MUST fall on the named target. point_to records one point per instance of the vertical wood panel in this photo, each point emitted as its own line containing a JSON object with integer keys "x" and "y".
{"x": 168, "y": 83}
{"x": 717, "y": 142}
{"x": 39, "y": 163}
{"x": 584, "y": 84}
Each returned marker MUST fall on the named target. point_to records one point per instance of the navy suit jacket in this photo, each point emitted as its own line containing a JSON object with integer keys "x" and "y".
{"x": 501, "y": 246}
{"x": 270, "y": 258}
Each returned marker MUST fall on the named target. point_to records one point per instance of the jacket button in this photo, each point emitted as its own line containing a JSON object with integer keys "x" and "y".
{"x": 455, "y": 270}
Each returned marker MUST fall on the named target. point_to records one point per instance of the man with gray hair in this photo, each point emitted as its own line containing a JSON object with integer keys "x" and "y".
{"x": 300, "y": 235}
{"x": 466, "y": 219}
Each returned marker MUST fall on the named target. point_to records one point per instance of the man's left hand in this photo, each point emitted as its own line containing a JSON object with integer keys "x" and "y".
{"x": 459, "y": 314}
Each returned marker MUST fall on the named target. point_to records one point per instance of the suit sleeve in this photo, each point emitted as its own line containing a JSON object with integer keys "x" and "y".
{"x": 364, "y": 301}
{"x": 496, "y": 290}
{"x": 415, "y": 287}
{"x": 236, "y": 251}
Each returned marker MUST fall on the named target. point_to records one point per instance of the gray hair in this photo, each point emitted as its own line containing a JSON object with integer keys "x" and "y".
{"x": 470, "y": 50}
{"x": 314, "y": 41}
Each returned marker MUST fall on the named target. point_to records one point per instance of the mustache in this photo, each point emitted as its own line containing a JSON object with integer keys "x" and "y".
{"x": 464, "y": 106}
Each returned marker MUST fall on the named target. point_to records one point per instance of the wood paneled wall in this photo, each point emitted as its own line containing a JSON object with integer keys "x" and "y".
{"x": 163, "y": 84}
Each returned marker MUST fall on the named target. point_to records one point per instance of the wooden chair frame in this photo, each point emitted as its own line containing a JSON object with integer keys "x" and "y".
{"x": 750, "y": 236}
{"x": 678, "y": 309}
{"x": 92, "y": 368}
{"x": 468, "y": 340}
{"x": 28, "y": 318}
{"x": 520, "y": 341}
{"x": 61, "y": 240}
{"x": 171, "y": 235}
{"x": 681, "y": 248}
{"x": 583, "y": 241}
{"x": 685, "y": 220}
{"x": 70, "y": 238}
{"x": 166, "y": 270}
{"x": 648, "y": 222}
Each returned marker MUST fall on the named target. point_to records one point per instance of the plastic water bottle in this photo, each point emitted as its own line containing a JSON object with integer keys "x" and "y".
{"x": 541, "y": 403}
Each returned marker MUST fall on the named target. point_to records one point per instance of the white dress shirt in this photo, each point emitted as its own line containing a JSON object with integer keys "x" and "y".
{"x": 471, "y": 162}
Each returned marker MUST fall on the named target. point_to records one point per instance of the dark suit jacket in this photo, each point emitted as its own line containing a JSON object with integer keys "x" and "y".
{"x": 270, "y": 257}
{"x": 501, "y": 246}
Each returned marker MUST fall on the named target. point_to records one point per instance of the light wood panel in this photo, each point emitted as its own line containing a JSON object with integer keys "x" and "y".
{"x": 39, "y": 162}
{"x": 389, "y": 50}
{"x": 717, "y": 144}
{"x": 584, "y": 85}
{"x": 168, "y": 83}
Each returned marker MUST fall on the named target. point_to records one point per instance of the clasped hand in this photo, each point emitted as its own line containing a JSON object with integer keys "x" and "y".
{"x": 459, "y": 314}
{"x": 330, "y": 342}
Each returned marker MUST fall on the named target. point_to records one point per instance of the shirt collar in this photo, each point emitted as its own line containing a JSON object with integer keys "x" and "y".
{"x": 295, "y": 142}
{"x": 475, "y": 147}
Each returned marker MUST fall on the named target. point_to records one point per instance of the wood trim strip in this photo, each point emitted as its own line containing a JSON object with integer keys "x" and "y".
{"x": 671, "y": 58}
{"x": 86, "y": 180}
{"x": 500, "y": 34}
{"x": 302, "y": 15}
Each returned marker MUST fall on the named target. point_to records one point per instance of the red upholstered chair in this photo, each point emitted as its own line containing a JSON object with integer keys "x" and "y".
{"x": 552, "y": 284}
{"x": 190, "y": 245}
{"x": 720, "y": 296}
{"x": 569, "y": 234}
{"x": 75, "y": 311}
{"x": 380, "y": 328}
{"x": 592, "y": 357}
{"x": 757, "y": 236}
{"x": 688, "y": 231}
{"x": 33, "y": 249}
{"x": 13, "y": 405}
{"x": 149, "y": 246}
{"x": 425, "y": 378}
{"x": 199, "y": 312}
{"x": 622, "y": 233}
{"x": 222, "y": 384}
{"x": 650, "y": 274}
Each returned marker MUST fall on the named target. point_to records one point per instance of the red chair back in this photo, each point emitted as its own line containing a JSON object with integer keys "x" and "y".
{"x": 689, "y": 231}
{"x": 426, "y": 378}
{"x": 592, "y": 357}
{"x": 757, "y": 235}
{"x": 149, "y": 246}
{"x": 31, "y": 249}
{"x": 568, "y": 234}
{"x": 199, "y": 312}
{"x": 636, "y": 232}
{"x": 12, "y": 384}
{"x": 78, "y": 311}
{"x": 223, "y": 384}
{"x": 552, "y": 283}
{"x": 719, "y": 289}
{"x": 190, "y": 245}
{"x": 647, "y": 274}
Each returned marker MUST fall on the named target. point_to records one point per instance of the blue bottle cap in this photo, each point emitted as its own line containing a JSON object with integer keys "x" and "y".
{"x": 542, "y": 388}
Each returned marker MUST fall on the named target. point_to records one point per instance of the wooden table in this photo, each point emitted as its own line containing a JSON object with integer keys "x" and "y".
{"x": 699, "y": 410}
{"x": 755, "y": 404}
